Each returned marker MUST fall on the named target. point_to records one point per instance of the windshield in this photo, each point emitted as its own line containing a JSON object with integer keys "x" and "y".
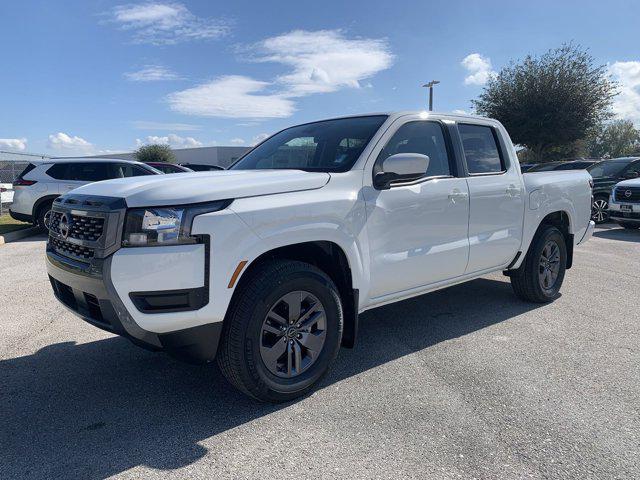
{"x": 328, "y": 146}
{"x": 608, "y": 168}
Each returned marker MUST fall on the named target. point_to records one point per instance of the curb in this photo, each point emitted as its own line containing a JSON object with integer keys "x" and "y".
{"x": 18, "y": 235}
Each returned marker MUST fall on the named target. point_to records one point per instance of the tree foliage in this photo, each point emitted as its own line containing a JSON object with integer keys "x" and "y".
{"x": 155, "y": 153}
{"x": 617, "y": 139}
{"x": 551, "y": 101}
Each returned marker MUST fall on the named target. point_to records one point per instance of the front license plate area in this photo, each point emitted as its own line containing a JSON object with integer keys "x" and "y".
{"x": 626, "y": 208}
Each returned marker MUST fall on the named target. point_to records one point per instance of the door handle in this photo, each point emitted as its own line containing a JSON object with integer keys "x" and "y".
{"x": 513, "y": 191}
{"x": 457, "y": 195}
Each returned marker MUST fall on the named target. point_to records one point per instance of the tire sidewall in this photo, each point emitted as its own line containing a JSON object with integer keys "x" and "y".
{"x": 324, "y": 290}
{"x": 555, "y": 235}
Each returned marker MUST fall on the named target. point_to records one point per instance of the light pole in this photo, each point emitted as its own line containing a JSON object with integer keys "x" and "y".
{"x": 430, "y": 85}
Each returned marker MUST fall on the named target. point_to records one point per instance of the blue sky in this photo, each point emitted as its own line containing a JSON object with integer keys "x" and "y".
{"x": 83, "y": 77}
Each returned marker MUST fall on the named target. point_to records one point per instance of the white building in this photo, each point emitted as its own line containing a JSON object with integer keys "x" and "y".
{"x": 221, "y": 156}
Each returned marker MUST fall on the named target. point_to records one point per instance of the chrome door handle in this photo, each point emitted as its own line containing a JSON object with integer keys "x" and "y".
{"x": 458, "y": 195}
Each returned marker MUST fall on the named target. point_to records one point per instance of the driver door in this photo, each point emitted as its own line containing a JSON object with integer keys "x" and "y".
{"x": 418, "y": 231}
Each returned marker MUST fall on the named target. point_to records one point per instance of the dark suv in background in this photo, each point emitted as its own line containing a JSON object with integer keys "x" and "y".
{"x": 605, "y": 175}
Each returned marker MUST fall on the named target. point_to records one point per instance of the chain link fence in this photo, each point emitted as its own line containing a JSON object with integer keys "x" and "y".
{"x": 11, "y": 166}
{"x": 9, "y": 171}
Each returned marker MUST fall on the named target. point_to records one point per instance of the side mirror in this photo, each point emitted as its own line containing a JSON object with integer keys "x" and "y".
{"x": 401, "y": 166}
{"x": 631, "y": 174}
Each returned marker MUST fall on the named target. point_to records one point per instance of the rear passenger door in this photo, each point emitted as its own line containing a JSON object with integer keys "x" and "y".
{"x": 496, "y": 197}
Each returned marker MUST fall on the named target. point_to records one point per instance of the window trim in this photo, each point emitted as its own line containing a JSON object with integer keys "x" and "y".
{"x": 451, "y": 157}
{"x": 497, "y": 139}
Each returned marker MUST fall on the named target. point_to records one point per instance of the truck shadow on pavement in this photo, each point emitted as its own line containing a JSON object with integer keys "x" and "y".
{"x": 97, "y": 409}
{"x": 620, "y": 234}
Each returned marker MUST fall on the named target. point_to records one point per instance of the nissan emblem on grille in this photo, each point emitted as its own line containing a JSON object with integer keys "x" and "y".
{"x": 64, "y": 226}
{"x": 628, "y": 193}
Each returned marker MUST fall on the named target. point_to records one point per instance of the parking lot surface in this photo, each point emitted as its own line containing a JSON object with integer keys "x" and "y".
{"x": 468, "y": 382}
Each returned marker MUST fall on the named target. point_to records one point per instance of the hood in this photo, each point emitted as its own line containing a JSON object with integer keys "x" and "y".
{"x": 633, "y": 182}
{"x": 197, "y": 187}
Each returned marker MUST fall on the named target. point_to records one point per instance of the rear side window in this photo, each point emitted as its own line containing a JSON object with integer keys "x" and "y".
{"x": 425, "y": 138}
{"x": 58, "y": 171}
{"x": 28, "y": 168}
{"x": 81, "y": 171}
{"x": 481, "y": 150}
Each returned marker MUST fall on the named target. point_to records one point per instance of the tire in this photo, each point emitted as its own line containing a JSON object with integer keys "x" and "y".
{"x": 630, "y": 226}
{"x": 246, "y": 354}
{"x": 530, "y": 282}
{"x": 600, "y": 209}
{"x": 41, "y": 214}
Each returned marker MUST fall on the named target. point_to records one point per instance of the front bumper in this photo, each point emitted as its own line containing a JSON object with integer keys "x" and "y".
{"x": 21, "y": 217}
{"x": 94, "y": 299}
{"x": 82, "y": 276}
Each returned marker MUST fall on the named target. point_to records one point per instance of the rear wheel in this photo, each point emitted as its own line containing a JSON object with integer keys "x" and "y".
{"x": 282, "y": 332}
{"x": 600, "y": 209}
{"x": 540, "y": 276}
{"x": 41, "y": 215}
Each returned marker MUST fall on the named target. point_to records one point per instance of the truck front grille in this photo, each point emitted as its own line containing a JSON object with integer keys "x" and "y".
{"x": 72, "y": 250}
{"x": 79, "y": 227}
{"x": 627, "y": 194}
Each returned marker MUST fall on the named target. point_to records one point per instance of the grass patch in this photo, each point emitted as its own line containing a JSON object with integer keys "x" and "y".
{"x": 8, "y": 224}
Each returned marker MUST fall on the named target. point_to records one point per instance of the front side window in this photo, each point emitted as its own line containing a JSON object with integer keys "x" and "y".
{"x": 328, "y": 146}
{"x": 481, "y": 150}
{"x": 424, "y": 138}
{"x": 123, "y": 170}
{"x": 607, "y": 168}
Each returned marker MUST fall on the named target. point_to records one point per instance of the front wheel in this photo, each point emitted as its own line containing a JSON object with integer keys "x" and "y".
{"x": 282, "y": 332}
{"x": 540, "y": 276}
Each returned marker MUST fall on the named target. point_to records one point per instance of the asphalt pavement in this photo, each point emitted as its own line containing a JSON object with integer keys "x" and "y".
{"x": 468, "y": 382}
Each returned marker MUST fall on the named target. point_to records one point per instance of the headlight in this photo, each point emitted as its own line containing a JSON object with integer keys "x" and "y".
{"x": 155, "y": 226}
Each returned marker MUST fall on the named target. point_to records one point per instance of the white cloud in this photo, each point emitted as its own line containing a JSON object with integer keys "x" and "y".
{"x": 173, "y": 140}
{"x": 62, "y": 141}
{"x": 231, "y": 96}
{"x": 176, "y": 127}
{"x": 236, "y": 141}
{"x": 19, "y": 144}
{"x": 626, "y": 104}
{"x": 152, "y": 73}
{"x": 260, "y": 137}
{"x": 479, "y": 69}
{"x": 459, "y": 111}
{"x": 319, "y": 62}
{"x": 165, "y": 23}
{"x": 323, "y": 61}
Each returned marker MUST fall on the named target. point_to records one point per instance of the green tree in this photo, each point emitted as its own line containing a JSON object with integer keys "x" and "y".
{"x": 155, "y": 153}
{"x": 616, "y": 139}
{"x": 549, "y": 102}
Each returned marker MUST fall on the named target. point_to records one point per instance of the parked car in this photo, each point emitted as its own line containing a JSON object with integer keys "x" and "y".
{"x": 267, "y": 265}
{"x": 166, "y": 167}
{"x": 605, "y": 175}
{"x": 624, "y": 204}
{"x": 562, "y": 165}
{"x": 40, "y": 184}
{"x": 201, "y": 167}
{"x": 6, "y": 193}
{"x": 525, "y": 167}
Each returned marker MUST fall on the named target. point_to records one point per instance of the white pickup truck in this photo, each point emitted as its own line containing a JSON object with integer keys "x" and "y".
{"x": 266, "y": 266}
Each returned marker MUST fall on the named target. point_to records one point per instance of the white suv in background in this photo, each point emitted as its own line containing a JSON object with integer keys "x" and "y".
{"x": 40, "y": 184}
